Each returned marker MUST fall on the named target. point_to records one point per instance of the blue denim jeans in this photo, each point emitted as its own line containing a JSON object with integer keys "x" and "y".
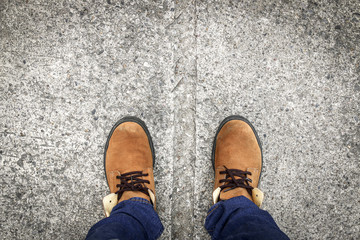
{"x": 131, "y": 219}
{"x": 236, "y": 218}
{"x": 240, "y": 218}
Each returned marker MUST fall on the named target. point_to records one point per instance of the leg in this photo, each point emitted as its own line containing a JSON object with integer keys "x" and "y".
{"x": 130, "y": 207}
{"x": 131, "y": 219}
{"x": 237, "y": 161}
{"x": 240, "y": 218}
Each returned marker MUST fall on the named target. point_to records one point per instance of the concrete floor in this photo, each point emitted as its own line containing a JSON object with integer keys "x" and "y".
{"x": 70, "y": 69}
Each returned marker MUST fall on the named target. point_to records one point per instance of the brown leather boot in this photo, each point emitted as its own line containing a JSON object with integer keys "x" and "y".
{"x": 129, "y": 158}
{"x": 237, "y": 160}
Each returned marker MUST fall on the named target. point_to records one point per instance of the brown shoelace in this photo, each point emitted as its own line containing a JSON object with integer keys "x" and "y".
{"x": 132, "y": 181}
{"x": 231, "y": 182}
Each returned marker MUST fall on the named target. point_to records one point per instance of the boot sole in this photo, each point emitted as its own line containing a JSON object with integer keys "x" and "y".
{"x": 129, "y": 119}
{"x": 230, "y": 118}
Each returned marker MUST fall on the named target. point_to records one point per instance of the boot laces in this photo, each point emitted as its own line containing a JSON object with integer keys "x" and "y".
{"x": 235, "y": 178}
{"x": 132, "y": 181}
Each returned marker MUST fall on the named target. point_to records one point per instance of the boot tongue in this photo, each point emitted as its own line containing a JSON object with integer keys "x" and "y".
{"x": 224, "y": 195}
{"x": 131, "y": 194}
{"x": 257, "y": 196}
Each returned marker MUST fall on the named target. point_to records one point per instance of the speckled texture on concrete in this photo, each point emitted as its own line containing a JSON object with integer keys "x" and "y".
{"x": 70, "y": 69}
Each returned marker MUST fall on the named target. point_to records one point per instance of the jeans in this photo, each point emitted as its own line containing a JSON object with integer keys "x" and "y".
{"x": 236, "y": 218}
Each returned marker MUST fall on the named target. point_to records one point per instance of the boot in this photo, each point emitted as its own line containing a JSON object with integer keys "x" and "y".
{"x": 129, "y": 159}
{"x": 237, "y": 161}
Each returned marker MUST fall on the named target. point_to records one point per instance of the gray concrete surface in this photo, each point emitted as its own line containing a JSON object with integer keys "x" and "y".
{"x": 70, "y": 69}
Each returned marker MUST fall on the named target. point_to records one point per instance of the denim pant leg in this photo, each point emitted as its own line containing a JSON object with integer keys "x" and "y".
{"x": 240, "y": 218}
{"x": 131, "y": 219}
